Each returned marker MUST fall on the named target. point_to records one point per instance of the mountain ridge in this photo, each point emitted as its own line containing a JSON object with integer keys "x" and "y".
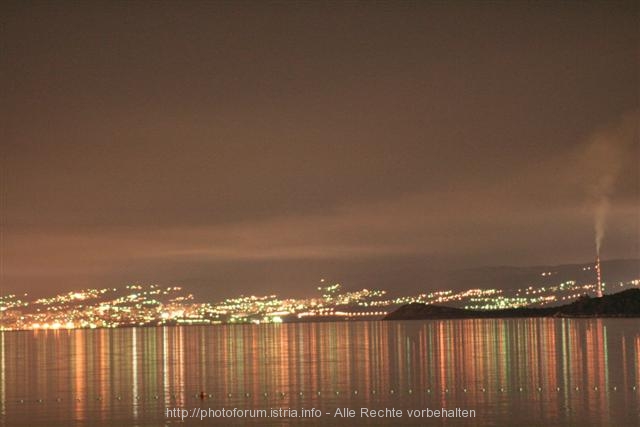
{"x": 621, "y": 304}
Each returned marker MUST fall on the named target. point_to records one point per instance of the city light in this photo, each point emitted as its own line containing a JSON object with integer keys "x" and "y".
{"x": 153, "y": 305}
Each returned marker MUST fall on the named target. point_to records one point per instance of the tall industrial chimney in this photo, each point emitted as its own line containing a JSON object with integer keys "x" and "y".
{"x": 599, "y": 286}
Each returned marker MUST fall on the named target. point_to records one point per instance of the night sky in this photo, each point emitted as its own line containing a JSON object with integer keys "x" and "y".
{"x": 236, "y": 147}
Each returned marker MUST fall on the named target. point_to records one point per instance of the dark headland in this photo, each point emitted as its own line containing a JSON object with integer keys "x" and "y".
{"x": 622, "y": 304}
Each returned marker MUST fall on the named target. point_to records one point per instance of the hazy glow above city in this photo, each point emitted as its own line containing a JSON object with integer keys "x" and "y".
{"x": 247, "y": 148}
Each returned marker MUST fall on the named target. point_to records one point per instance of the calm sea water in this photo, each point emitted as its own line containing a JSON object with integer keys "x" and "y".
{"x": 546, "y": 372}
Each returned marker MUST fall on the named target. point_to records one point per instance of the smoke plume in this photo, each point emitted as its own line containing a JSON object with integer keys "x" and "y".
{"x": 607, "y": 154}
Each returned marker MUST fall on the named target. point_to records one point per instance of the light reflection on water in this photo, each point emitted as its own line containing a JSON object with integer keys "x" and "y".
{"x": 520, "y": 371}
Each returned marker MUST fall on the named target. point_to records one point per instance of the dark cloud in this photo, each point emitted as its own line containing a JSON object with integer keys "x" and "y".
{"x": 276, "y": 142}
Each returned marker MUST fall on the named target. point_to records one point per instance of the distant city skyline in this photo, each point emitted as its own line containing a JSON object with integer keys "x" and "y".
{"x": 157, "y": 305}
{"x": 241, "y": 147}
